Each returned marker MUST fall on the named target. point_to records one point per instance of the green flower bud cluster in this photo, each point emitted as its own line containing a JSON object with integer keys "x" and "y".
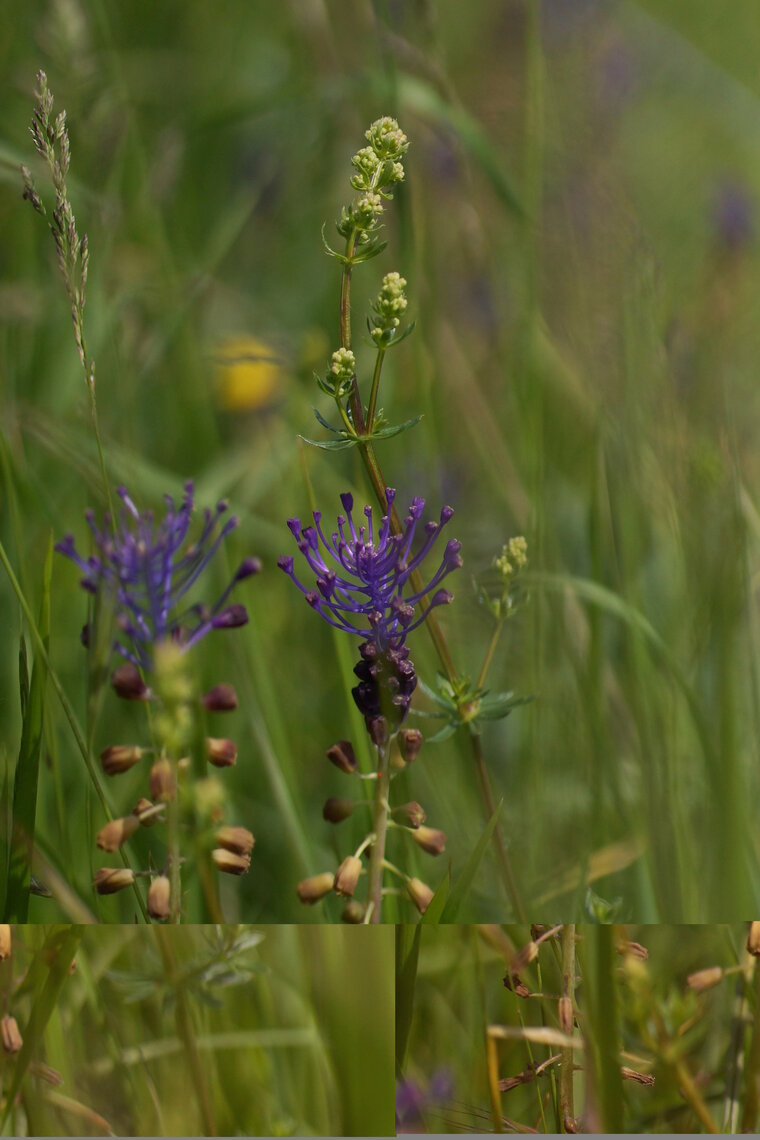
{"x": 389, "y": 306}
{"x": 512, "y": 558}
{"x": 339, "y": 378}
{"x": 377, "y": 168}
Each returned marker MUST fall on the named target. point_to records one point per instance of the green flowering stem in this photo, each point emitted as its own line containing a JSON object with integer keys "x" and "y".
{"x": 173, "y": 852}
{"x": 374, "y": 389}
{"x": 380, "y": 829}
{"x": 495, "y": 635}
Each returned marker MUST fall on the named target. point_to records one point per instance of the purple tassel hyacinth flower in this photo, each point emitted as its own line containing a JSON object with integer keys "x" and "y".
{"x": 362, "y": 573}
{"x": 147, "y": 569}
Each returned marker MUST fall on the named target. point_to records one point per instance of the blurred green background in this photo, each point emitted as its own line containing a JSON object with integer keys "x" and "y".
{"x": 301, "y": 1044}
{"x": 579, "y": 232}
{"x": 459, "y": 991}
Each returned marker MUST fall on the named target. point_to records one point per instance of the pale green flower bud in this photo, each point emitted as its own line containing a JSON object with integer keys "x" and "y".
{"x": 343, "y": 366}
{"x": 387, "y": 139}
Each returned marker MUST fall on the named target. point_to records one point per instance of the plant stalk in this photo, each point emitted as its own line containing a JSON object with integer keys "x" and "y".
{"x": 380, "y": 830}
{"x": 566, "y": 1099}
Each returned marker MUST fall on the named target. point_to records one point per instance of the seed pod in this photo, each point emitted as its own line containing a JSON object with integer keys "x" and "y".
{"x": 5, "y": 941}
{"x": 239, "y": 840}
{"x": 116, "y": 832}
{"x": 412, "y": 814}
{"x": 430, "y": 840}
{"x": 230, "y": 862}
{"x": 109, "y": 880}
{"x": 420, "y": 894}
{"x": 162, "y": 780}
{"x": 222, "y": 698}
{"x": 342, "y": 756}
{"x": 220, "y": 752}
{"x": 753, "y": 939}
{"x": 159, "y": 897}
{"x": 145, "y": 812}
{"x": 9, "y": 1032}
{"x": 337, "y": 809}
{"x": 705, "y": 979}
{"x": 119, "y": 758}
{"x": 409, "y": 743}
{"x": 129, "y": 685}
{"x": 347, "y": 875}
{"x": 315, "y": 888}
{"x": 353, "y": 913}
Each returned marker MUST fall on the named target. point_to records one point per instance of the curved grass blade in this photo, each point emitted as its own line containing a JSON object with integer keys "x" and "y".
{"x": 432, "y": 915}
{"x": 464, "y": 881}
{"x": 407, "y": 954}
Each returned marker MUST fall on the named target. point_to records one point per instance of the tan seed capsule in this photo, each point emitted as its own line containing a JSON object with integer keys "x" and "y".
{"x": 412, "y": 814}
{"x": 753, "y": 939}
{"x": 5, "y": 941}
{"x": 145, "y": 812}
{"x": 313, "y": 889}
{"x": 237, "y": 839}
{"x": 119, "y": 758}
{"x": 162, "y": 780}
{"x": 9, "y": 1032}
{"x": 336, "y": 809}
{"x": 159, "y": 897}
{"x": 347, "y": 875}
{"x": 220, "y": 752}
{"x": 410, "y": 743}
{"x": 342, "y": 756}
{"x": 109, "y": 880}
{"x": 230, "y": 862}
{"x": 222, "y": 698}
{"x": 420, "y": 894}
{"x": 430, "y": 840}
{"x": 705, "y": 979}
{"x": 353, "y": 913}
{"x": 116, "y": 832}
{"x": 129, "y": 685}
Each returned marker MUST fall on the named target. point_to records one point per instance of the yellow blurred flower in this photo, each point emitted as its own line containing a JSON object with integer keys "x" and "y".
{"x": 249, "y": 374}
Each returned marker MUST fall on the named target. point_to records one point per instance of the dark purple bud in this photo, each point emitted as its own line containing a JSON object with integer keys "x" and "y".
{"x": 220, "y": 752}
{"x": 446, "y": 514}
{"x": 285, "y": 562}
{"x": 342, "y": 756}
{"x": 441, "y": 598}
{"x": 248, "y": 567}
{"x": 222, "y": 698}
{"x": 128, "y": 684}
{"x": 84, "y": 636}
{"x": 231, "y": 617}
{"x": 294, "y": 526}
{"x": 378, "y": 731}
{"x": 347, "y": 499}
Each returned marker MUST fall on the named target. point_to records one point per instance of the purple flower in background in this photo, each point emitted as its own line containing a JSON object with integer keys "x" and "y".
{"x": 732, "y": 215}
{"x": 147, "y": 570}
{"x": 362, "y": 578}
{"x": 414, "y": 1098}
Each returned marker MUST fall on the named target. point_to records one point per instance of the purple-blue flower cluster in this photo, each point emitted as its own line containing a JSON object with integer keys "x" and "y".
{"x": 363, "y": 573}
{"x": 147, "y": 568}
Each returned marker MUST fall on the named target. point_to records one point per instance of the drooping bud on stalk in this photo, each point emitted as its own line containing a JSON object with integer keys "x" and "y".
{"x": 239, "y": 840}
{"x": 430, "y": 840}
{"x": 410, "y": 743}
{"x": 9, "y": 1032}
{"x": 353, "y": 913}
{"x": 230, "y": 862}
{"x": 753, "y": 939}
{"x": 420, "y": 894}
{"x": 377, "y": 727}
{"x": 128, "y": 684}
{"x": 5, "y": 941}
{"x": 347, "y": 875}
{"x": 412, "y": 814}
{"x": 145, "y": 812}
{"x": 162, "y": 780}
{"x": 524, "y": 956}
{"x": 119, "y": 758}
{"x": 313, "y": 889}
{"x": 222, "y": 698}
{"x": 220, "y": 752}
{"x": 342, "y": 756}
{"x": 337, "y": 809}
{"x": 705, "y": 979}
{"x": 159, "y": 897}
{"x": 109, "y": 880}
{"x": 116, "y": 832}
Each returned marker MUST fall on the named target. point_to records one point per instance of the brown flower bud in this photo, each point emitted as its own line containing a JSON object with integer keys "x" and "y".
{"x": 109, "y": 880}
{"x": 410, "y": 743}
{"x": 162, "y": 780}
{"x": 230, "y": 862}
{"x": 342, "y": 756}
{"x": 524, "y": 956}
{"x": 220, "y": 752}
{"x": 129, "y": 685}
{"x": 565, "y": 1012}
{"x": 353, "y": 913}
{"x": 337, "y": 809}
{"x": 146, "y": 812}
{"x": 5, "y": 941}
{"x": 222, "y": 698}
{"x": 116, "y": 832}
{"x": 413, "y": 814}
{"x": 159, "y": 897}
{"x": 120, "y": 758}
{"x": 378, "y": 731}
{"x": 9, "y": 1032}
{"x": 705, "y": 979}
{"x": 347, "y": 875}
{"x": 514, "y": 983}
{"x": 420, "y": 894}
{"x": 634, "y": 1075}
{"x": 315, "y": 888}
{"x": 753, "y": 939}
{"x": 236, "y": 839}
{"x": 430, "y": 840}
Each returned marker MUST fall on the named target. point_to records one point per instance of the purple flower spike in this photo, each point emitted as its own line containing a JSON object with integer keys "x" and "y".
{"x": 147, "y": 567}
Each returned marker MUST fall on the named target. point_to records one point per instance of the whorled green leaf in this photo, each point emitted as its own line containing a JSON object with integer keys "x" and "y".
{"x": 331, "y": 444}
{"x": 464, "y": 880}
{"x": 495, "y": 706}
{"x": 443, "y": 733}
{"x": 321, "y": 419}
{"x": 392, "y": 429}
